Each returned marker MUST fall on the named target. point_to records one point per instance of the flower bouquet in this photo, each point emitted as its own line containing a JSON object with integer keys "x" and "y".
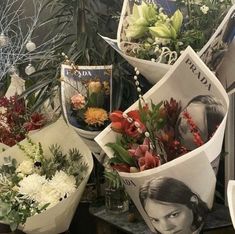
{"x": 42, "y": 180}
{"x": 154, "y": 33}
{"x": 174, "y": 131}
{"x": 86, "y": 99}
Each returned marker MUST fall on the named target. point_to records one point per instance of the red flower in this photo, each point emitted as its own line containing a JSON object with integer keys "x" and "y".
{"x": 148, "y": 161}
{"x": 122, "y": 167}
{"x": 139, "y": 151}
{"x": 16, "y": 121}
{"x": 37, "y": 120}
{"x": 130, "y": 125}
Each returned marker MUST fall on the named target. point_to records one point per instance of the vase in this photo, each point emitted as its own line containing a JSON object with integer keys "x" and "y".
{"x": 116, "y": 200}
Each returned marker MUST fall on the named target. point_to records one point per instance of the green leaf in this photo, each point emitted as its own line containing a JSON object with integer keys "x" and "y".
{"x": 122, "y": 153}
{"x": 177, "y": 20}
{"x": 161, "y": 30}
{"x": 5, "y": 208}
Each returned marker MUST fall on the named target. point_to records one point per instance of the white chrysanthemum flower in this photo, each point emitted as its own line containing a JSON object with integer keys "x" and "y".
{"x": 65, "y": 184}
{"x": 48, "y": 194}
{"x": 26, "y": 167}
{"x": 204, "y": 9}
{"x": 31, "y": 185}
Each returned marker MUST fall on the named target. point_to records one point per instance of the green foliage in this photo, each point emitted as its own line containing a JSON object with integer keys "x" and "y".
{"x": 121, "y": 154}
{"x": 81, "y": 21}
{"x": 71, "y": 163}
{"x": 113, "y": 179}
{"x": 14, "y": 209}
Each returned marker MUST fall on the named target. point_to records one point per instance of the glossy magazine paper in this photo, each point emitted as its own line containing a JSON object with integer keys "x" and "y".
{"x": 188, "y": 78}
{"x": 72, "y": 84}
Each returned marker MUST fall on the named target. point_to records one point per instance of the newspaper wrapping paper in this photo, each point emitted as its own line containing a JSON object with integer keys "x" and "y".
{"x": 66, "y": 93}
{"x": 187, "y": 78}
{"x": 58, "y": 218}
{"x": 231, "y": 200}
{"x": 223, "y": 61}
{"x": 3, "y": 147}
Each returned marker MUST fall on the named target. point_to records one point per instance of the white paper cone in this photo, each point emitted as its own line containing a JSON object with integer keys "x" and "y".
{"x": 3, "y": 147}
{"x": 188, "y": 77}
{"x": 219, "y": 51}
{"x": 231, "y": 200}
{"x": 58, "y": 218}
{"x": 17, "y": 86}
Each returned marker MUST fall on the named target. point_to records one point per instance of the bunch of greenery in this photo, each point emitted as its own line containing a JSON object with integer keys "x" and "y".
{"x": 81, "y": 21}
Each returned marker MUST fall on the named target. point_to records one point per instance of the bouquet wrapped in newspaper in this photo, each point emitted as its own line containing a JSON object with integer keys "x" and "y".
{"x": 219, "y": 52}
{"x": 86, "y": 100}
{"x": 152, "y": 34}
{"x": 42, "y": 179}
{"x": 166, "y": 145}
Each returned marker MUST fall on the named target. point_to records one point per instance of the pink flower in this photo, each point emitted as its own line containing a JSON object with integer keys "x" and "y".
{"x": 148, "y": 161}
{"x": 139, "y": 151}
{"x": 143, "y": 153}
{"x": 78, "y": 101}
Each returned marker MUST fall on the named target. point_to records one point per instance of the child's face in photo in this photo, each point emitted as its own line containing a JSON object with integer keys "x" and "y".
{"x": 198, "y": 114}
{"x": 169, "y": 218}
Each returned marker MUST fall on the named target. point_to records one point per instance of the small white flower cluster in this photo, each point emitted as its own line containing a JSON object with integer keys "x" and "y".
{"x": 25, "y": 168}
{"x": 45, "y": 191}
{"x": 204, "y": 9}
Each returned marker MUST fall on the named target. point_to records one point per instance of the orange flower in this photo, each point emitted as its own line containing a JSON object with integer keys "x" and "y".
{"x": 95, "y": 116}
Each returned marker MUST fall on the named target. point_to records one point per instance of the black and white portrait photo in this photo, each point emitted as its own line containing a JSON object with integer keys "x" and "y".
{"x": 172, "y": 206}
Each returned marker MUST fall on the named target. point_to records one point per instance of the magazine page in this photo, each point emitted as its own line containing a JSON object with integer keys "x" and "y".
{"x": 219, "y": 52}
{"x": 53, "y": 218}
{"x": 192, "y": 83}
{"x": 152, "y": 71}
{"x": 85, "y": 90}
{"x": 231, "y": 199}
{"x": 194, "y": 171}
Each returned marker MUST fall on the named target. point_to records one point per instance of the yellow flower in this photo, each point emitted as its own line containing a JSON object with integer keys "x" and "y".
{"x": 94, "y": 87}
{"x": 95, "y": 116}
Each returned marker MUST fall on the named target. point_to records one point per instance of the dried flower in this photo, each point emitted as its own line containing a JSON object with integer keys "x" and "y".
{"x": 95, "y": 116}
{"x": 16, "y": 121}
{"x": 193, "y": 129}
